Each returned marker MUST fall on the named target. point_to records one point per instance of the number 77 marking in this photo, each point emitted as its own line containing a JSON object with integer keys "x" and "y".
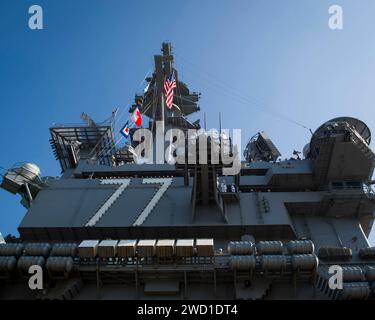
{"x": 111, "y": 200}
{"x": 124, "y": 183}
{"x": 165, "y": 183}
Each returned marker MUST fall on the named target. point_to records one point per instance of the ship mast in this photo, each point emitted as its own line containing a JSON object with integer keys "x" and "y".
{"x": 161, "y": 118}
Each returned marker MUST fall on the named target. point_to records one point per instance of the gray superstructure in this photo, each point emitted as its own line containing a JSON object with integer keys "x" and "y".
{"x": 111, "y": 228}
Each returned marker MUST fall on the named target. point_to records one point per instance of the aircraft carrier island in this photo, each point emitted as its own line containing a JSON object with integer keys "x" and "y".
{"x": 116, "y": 226}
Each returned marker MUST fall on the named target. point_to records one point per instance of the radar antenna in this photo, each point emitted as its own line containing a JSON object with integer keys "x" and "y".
{"x": 85, "y": 117}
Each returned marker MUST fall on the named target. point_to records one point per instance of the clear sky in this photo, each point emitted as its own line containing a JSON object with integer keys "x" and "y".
{"x": 251, "y": 60}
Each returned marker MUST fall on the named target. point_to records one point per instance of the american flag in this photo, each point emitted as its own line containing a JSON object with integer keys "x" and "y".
{"x": 169, "y": 85}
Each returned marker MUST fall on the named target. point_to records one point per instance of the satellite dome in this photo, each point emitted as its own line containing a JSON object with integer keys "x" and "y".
{"x": 29, "y": 171}
{"x": 338, "y": 126}
{"x": 358, "y": 125}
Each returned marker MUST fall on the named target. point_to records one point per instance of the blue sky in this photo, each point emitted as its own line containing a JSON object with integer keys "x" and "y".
{"x": 251, "y": 60}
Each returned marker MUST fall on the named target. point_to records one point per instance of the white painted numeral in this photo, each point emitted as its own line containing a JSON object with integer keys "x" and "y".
{"x": 111, "y": 200}
{"x": 123, "y": 184}
{"x": 165, "y": 183}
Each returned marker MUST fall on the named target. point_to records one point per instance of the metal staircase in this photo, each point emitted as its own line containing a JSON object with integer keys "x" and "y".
{"x": 322, "y": 285}
{"x": 365, "y": 150}
{"x": 323, "y": 161}
{"x": 65, "y": 290}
